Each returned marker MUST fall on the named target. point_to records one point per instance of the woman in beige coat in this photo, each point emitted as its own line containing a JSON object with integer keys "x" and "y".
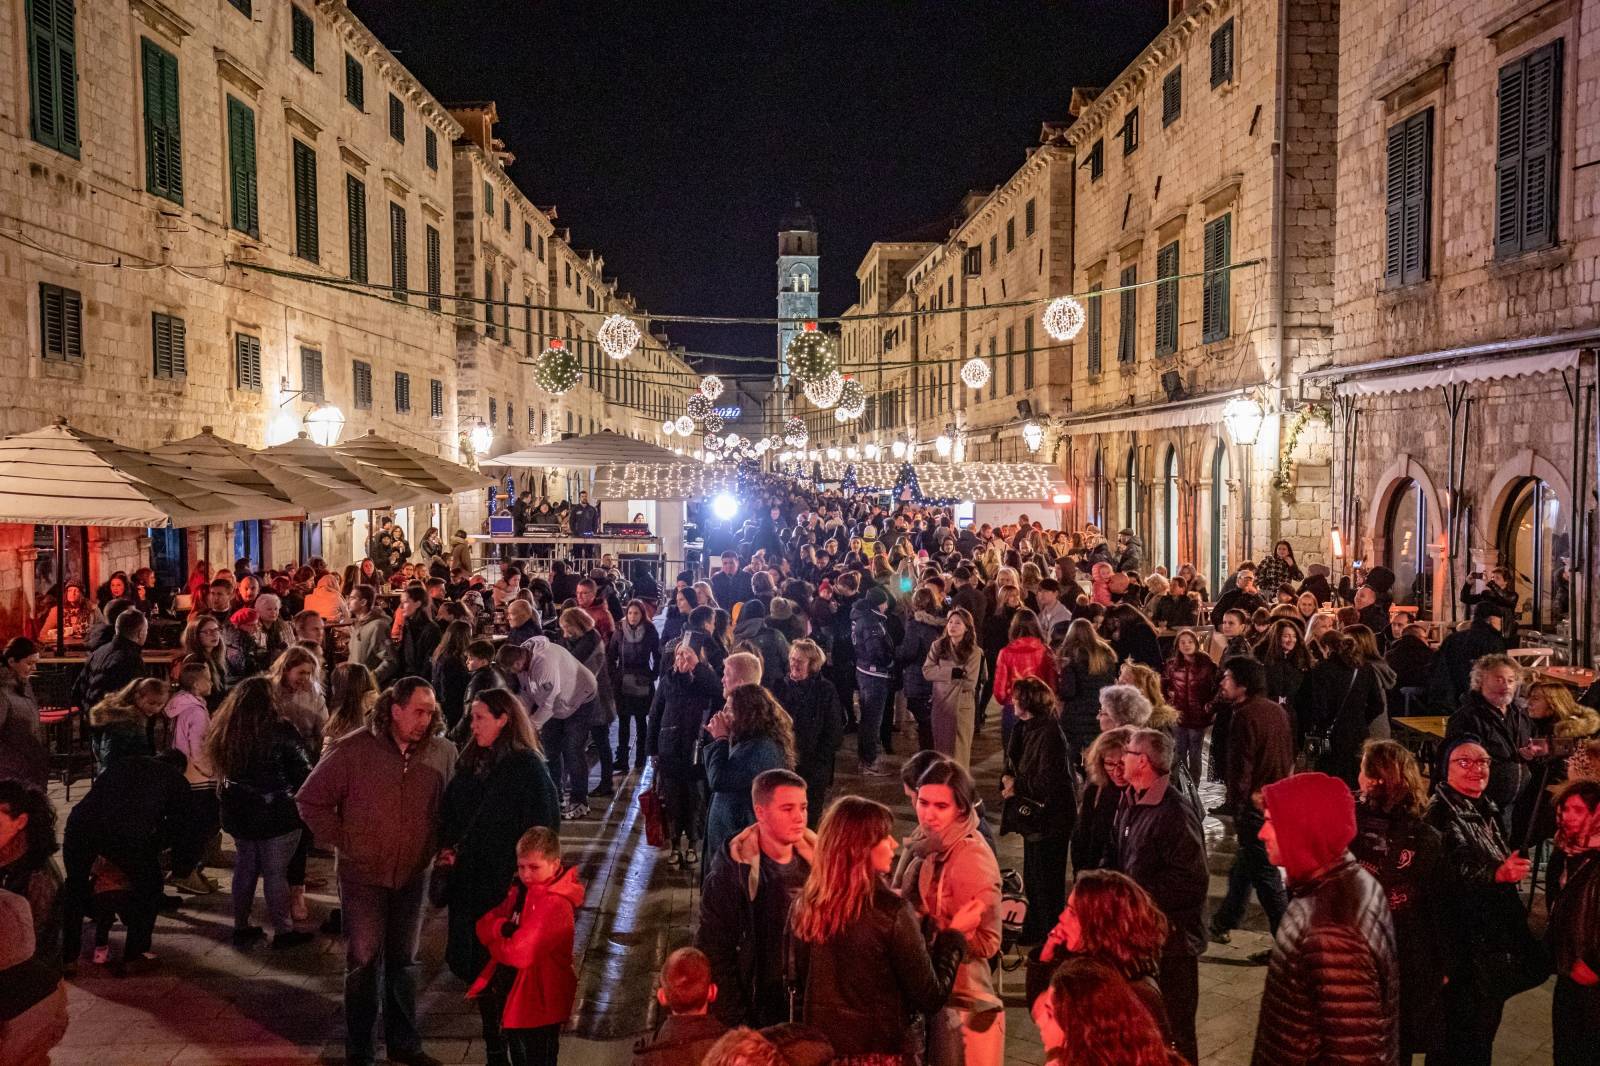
{"x": 953, "y": 665}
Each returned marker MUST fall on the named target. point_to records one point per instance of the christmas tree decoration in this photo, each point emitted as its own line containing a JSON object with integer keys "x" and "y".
{"x": 906, "y": 487}
{"x": 618, "y": 336}
{"x": 853, "y": 398}
{"x": 794, "y": 431}
{"x": 847, "y": 485}
{"x": 711, "y": 386}
{"x": 975, "y": 373}
{"x": 713, "y": 424}
{"x": 825, "y": 393}
{"x": 684, "y": 425}
{"x": 1063, "y": 318}
{"x": 811, "y": 357}
{"x": 697, "y": 407}
{"x": 557, "y": 369}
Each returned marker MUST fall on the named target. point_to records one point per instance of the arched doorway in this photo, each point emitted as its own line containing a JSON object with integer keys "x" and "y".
{"x": 1407, "y": 550}
{"x": 1130, "y": 497}
{"x": 1217, "y": 558}
{"x": 1534, "y": 543}
{"x": 1169, "y": 524}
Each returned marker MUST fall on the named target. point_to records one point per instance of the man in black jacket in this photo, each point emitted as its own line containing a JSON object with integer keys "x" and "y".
{"x": 1452, "y": 665}
{"x": 744, "y": 904}
{"x": 1244, "y": 596}
{"x": 730, "y": 585}
{"x": 1333, "y": 986}
{"x": 874, "y": 658}
{"x": 1158, "y": 843}
{"x": 113, "y": 665}
{"x": 1490, "y": 713}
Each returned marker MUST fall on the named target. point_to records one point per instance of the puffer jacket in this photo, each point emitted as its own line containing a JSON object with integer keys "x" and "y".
{"x": 921, "y": 631}
{"x": 590, "y": 650}
{"x": 1023, "y": 657}
{"x": 1190, "y": 685}
{"x": 813, "y": 705}
{"x": 869, "y": 633}
{"x": 118, "y": 733}
{"x": 531, "y": 932}
{"x": 1079, "y": 693}
{"x": 1333, "y": 984}
{"x": 682, "y": 704}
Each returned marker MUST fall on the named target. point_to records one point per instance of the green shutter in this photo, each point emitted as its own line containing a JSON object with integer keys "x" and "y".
{"x": 1527, "y": 151}
{"x": 53, "y": 74}
{"x": 1215, "y": 290}
{"x": 60, "y": 323}
{"x": 434, "y": 303}
{"x": 1167, "y": 300}
{"x": 1408, "y": 199}
{"x": 305, "y": 201}
{"x": 1128, "y": 328}
{"x": 355, "y": 82}
{"x": 303, "y": 37}
{"x": 355, "y": 198}
{"x": 247, "y": 362}
{"x": 168, "y": 346}
{"x": 163, "y": 138}
{"x": 397, "y": 250}
{"x": 242, "y": 168}
{"x": 430, "y": 148}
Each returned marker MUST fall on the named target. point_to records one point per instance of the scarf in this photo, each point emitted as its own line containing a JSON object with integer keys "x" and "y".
{"x": 632, "y": 634}
{"x": 924, "y": 853}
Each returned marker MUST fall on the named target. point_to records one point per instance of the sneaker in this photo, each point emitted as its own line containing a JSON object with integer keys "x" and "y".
{"x": 101, "y": 954}
{"x": 248, "y": 935}
{"x": 573, "y": 811}
{"x": 194, "y": 882}
{"x": 292, "y": 939}
{"x": 880, "y": 768}
{"x": 1220, "y": 936}
{"x": 691, "y": 858}
{"x": 676, "y": 862}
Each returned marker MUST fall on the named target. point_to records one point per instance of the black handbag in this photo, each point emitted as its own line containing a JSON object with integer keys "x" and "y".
{"x": 1024, "y": 815}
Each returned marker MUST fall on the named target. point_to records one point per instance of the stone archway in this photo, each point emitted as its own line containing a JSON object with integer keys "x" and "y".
{"x": 1391, "y": 480}
{"x": 1525, "y": 464}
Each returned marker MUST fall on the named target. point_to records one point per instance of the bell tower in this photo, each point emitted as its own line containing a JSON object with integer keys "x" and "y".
{"x": 798, "y": 279}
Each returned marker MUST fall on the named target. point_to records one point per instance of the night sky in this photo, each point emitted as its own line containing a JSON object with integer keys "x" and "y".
{"x": 674, "y": 136}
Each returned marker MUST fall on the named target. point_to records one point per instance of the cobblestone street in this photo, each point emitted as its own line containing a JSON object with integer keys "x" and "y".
{"x": 212, "y": 1003}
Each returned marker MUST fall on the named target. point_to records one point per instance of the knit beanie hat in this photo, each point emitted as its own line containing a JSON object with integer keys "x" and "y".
{"x": 243, "y": 618}
{"x": 752, "y": 609}
{"x": 781, "y": 609}
{"x": 875, "y": 597}
{"x": 1314, "y": 816}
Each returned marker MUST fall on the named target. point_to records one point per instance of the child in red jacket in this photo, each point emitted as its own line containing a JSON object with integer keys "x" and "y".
{"x": 529, "y": 937}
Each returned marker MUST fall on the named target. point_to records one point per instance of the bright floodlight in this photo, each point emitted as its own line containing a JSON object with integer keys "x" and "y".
{"x": 482, "y": 438}
{"x": 724, "y": 507}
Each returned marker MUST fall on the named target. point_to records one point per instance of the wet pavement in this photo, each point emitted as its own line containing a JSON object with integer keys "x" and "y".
{"x": 208, "y": 1002}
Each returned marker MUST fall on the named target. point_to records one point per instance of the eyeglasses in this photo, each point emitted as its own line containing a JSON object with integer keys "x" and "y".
{"x": 1130, "y": 752}
{"x": 1471, "y": 764}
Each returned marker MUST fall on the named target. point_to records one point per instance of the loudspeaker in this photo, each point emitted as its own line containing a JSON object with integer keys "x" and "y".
{"x": 1172, "y": 383}
{"x": 1024, "y": 409}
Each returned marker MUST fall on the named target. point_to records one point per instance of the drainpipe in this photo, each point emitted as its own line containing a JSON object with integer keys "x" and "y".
{"x": 1280, "y": 273}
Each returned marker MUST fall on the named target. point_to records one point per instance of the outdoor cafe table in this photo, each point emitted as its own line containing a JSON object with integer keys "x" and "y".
{"x": 1576, "y": 676}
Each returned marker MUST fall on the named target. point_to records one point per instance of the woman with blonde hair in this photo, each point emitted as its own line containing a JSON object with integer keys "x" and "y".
{"x": 298, "y": 693}
{"x": 1323, "y": 621}
{"x": 704, "y": 595}
{"x": 867, "y": 968}
{"x": 352, "y": 691}
{"x": 121, "y": 720}
{"x": 752, "y": 734}
{"x": 1094, "y": 834}
{"x": 1560, "y": 725}
{"x": 1163, "y": 715}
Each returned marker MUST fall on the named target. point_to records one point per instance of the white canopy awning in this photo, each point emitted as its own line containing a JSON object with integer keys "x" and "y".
{"x": 1487, "y": 369}
{"x": 301, "y": 489}
{"x": 353, "y": 474}
{"x": 594, "y": 449}
{"x": 58, "y": 475}
{"x": 429, "y": 472}
{"x": 1207, "y": 412}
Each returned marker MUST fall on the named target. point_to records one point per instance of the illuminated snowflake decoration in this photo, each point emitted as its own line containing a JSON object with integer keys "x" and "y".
{"x": 711, "y": 386}
{"x": 697, "y": 407}
{"x": 975, "y": 372}
{"x": 618, "y": 336}
{"x": 825, "y": 393}
{"x": 1063, "y": 318}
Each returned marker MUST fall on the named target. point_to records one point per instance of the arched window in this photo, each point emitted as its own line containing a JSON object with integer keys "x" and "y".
{"x": 1217, "y": 561}
{"x": 1130, "y": 498}
{"x": 1406, "y": 535}
{"x": 1169, "y": 489}
{"x": 1535, "y": 547}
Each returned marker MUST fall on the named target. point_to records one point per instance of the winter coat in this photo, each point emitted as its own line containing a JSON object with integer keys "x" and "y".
{"x": 954, "y": 698}
{"x": 938, "y": 885}
{"x": 555, "y": 684}
{"x": 1023, "y": 657}
{"x": 1130, "y": 557}
{"x": 774, "y": 648}
{"x": 1260, "y": 749}
{"x": 1190, "y": 685}
{"x": 635, "y": 659}
{"x": 1094, "y": 830}
{"x": 1284, "y": 680}
{"x": 1502, "y": 736}
{"x": 1406, "y": 855}
{"x": 370, "y": 644}
{"x": 869, "y": 982}
{"x": 378, "y": 806}
{"x": 190, "y": 721}
{"x": 1332, "y": 995}
{"x": 682, "y": 1040}
{"x": 1273, "y": 571}
{"x": 1235, "y": 599}
{"x": 1574, "y": 895}
{"x": 258, "y": 802}
{"x": 110, "y": 667}
{"x": 482, "y": 817}
{"x": 1138, "y": 642}
{"x": 813, "y": 705}
{"x": 1158, "y": 843}
{"x": 727, "y": 931}
{"x": 730, "y": 589}
{"x": 418, "y": 639}
{"x": 1037, "y": 760}
{"x": 1175, "y": 612}
{"x": 22, "y": 753}
{"x": 1452, "y": 664}
{"x": 590, "y": 650}
{"x": 1079, "y": 693}
{"x": 538, "y": 945}
{"x": 450, "y": 678}
{"x": 921, "y": 631}
{"x": 730, "y": 771}
{"x": 1341, "y": 708}
{"x": 869, "y": 634}
{"x": 1411, "y": 659}
{"x": 118, "y": 733}
{"x": 682, "y": 704}
{"x": 1505, "y": 599}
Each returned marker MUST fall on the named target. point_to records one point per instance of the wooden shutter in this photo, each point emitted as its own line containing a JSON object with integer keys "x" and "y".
{"x": 397, "y": 250}
{"x": 168, "y": 344}
{"x": 1408, "y": 199}
{"x": 1172, "y": 96}
{"x": 430, "y": 148}
{"x": 1215, "y": 291}
{"x": 246, "y": 362}
{"x": 1027, "y": 352}
{"x": 60, "y": 323}
{"x": 436, "y": 398}
{"x": 355, "y": 82}
{"x": 305, "y": 201}
{"x": 397, "y": 118}
{"x": 488, "y": 302}
{"x": 1528, "y": 151}
{"x": 311, "y": 374}
{"x": 355, "y": 202}
{"x": 242, "y": 202}
{"x": 361, "y": 381}
{"x": 1128, "y": 331}
{"x": 1167, "y": 300}
{"x": 163, "y": 139}
{"x": 303, "y": 37}
{"x": 53, "y": 74}
{"x": 432, "y": 239}
{"x": 1011, "y": 366}
{"x": 1094, "y": 327}
{"x": 1222, "y": 54}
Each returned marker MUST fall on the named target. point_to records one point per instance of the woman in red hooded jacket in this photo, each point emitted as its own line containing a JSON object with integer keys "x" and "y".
{"x": 1024, "y": 656}
{"x": 1189, "y": 681}
{"x": 529, "y": 937}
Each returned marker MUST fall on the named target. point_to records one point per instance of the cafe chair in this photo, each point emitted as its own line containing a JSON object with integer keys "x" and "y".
{"x": 1532, "y": 658}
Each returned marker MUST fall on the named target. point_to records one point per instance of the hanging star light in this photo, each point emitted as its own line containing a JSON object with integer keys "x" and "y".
{"x": 811, "y": 356}
{"x": 713, "y": 424}
{"x": 711, "y": 386}
{"x": 1063, "y": 318}
{"x": 618, "y": 336}
{"x": 557, "y": 369}
{"x": 684, "y": 425}
{"x": 825, "y": 392}
{"x": 975, "y": 373}
{"x": 697, "y": 407}
{"x": 794, "y": 431}
{"x": 853, "y": 398}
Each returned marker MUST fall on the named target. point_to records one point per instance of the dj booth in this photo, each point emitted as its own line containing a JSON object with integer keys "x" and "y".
{"x": 636, "y": 549}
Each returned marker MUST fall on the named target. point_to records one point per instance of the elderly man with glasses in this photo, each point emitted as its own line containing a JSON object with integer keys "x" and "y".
{"x": 1158, "y": 843}
{"x": 1490, "y": 713}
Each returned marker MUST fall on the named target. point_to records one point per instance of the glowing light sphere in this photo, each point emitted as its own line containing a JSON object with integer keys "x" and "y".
{"x": 942, "y": 444}
{"x": 811, "y": 357}
{"x": 833, "y": 455}
{"x": 1063, "y": 318}
{"x": 872, "y": 452}
{"x": 763, "y": 446}
{"x": 618, "y": 336}
{"x": 713, "y": 424}
{"x": 731, "y": 439}
{"x": 711, "y": 386}
{"x": 684, "y": 425}
{"x": 898, "y": 449}
{"x": 557, "y": 369}
{"x": 713, "y": 443}
{"x": 482, "y": 438}
{"x": 794, "y": 431}
{"x": 975, "y": 373}
{"x": 697, "y": 407}
{"x": 825, "y": 392}
{"x": 852, "y": 453}
{"x": 669, "y": 427}
{"x": 853, "y": 397}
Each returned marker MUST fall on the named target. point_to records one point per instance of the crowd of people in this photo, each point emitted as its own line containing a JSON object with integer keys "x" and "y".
{"x": 433, "y": 727}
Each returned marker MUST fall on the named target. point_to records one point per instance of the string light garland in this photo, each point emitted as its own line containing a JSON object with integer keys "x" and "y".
{"x": 1063, "y": 318}
{"x": 795, "y": 433}
{"x": 618, "y": 336}
{"x": 684, "y": 425}
{"x": 557, "y": 369}
{"x": 713, "y": 424}
{"x": 811, "y": 357}
{"x": 825, "y": 392}
{"x": 853, "y": 398}
{"x": 975, "y": 373}
{"x": 711, "y": 386}
{"x": 697, "y": 407}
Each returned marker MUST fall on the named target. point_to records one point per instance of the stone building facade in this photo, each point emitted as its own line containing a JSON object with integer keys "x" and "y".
{"x": 1465, "y": 299}
{"x": 1209, "y": 161}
